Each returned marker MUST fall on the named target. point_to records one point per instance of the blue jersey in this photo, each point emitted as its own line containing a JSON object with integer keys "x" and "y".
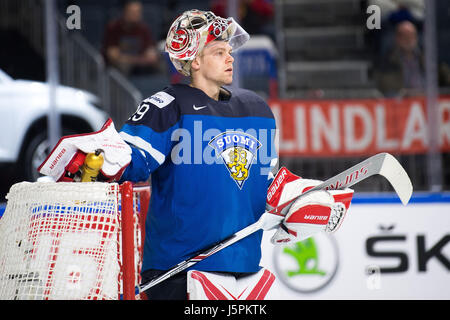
{"x": 209, "y": 163}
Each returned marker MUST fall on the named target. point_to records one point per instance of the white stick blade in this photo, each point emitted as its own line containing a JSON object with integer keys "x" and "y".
{"x": 392, "y": 170}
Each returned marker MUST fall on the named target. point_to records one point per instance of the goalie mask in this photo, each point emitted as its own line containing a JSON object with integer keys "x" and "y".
{"x": 193, "y": 30}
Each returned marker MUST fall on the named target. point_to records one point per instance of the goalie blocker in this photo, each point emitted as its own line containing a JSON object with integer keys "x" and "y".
{"x": 321, "y": 210}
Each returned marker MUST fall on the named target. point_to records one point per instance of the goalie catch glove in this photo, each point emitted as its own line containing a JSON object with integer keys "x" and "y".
{"x": 67, "y": 157}
{"x": 315, "y": 212}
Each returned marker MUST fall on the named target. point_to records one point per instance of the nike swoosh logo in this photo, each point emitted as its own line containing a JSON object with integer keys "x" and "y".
{"x": 198, "y": 108}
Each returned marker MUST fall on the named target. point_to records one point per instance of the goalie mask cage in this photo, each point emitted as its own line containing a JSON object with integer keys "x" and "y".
{"x": 67, "y": 241}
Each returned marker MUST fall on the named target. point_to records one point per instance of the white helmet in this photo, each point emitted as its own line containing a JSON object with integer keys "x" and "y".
{"x": 193, "y": 29}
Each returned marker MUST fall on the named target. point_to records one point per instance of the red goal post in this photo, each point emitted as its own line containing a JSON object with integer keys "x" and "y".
{"x": 61, "y": 240}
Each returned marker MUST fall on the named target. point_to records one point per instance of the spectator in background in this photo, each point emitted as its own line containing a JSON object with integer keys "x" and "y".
{"x": 401, "y": 70}
{"x": 399, "y": 10}
{"x": 392, "y": 13}
{"x": 128, "y": 43}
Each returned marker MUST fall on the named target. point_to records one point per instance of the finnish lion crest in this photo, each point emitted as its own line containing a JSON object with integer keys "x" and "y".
{"x": 237, "y": 150}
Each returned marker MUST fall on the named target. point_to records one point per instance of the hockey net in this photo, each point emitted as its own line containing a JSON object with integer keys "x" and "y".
{"x": 61, "y": 241}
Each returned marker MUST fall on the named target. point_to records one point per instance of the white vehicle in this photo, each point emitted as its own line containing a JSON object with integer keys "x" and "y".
{"x": 23, "y": 120}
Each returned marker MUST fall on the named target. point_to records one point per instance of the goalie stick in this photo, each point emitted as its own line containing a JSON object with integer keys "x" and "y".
{"x": 383, "y": 164}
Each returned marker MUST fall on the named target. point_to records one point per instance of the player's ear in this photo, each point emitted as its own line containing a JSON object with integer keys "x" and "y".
{"x": 195, "y": 64}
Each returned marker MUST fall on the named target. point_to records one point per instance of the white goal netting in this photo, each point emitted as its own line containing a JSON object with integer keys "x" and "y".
{"x": 61, "y": 241}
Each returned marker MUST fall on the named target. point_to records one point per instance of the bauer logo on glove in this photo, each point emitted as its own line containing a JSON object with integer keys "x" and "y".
{"x": 317, "y": 211}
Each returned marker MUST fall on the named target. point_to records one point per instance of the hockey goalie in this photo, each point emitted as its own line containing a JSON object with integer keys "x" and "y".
{"x": 209, "y": 151}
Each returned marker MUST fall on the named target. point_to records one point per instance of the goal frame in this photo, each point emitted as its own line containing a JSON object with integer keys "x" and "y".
{"x": 127, "y": 190}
